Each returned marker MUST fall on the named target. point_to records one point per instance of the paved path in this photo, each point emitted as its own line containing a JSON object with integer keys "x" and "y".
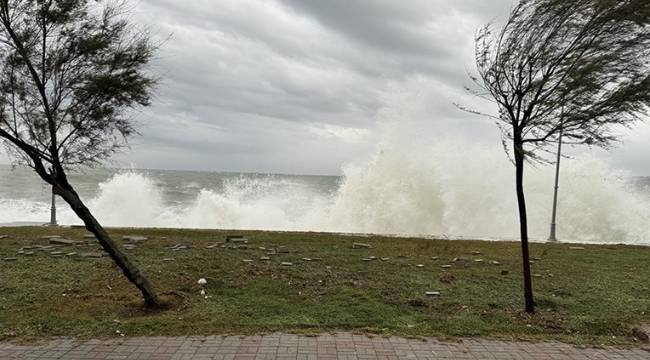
{"x": 286, "y": 346}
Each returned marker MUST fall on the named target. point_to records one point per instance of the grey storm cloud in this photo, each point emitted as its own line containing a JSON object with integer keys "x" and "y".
{"x": 299, "y": 86}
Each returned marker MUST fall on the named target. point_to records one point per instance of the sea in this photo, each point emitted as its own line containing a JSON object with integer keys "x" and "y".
{"x": 384, "y": 195}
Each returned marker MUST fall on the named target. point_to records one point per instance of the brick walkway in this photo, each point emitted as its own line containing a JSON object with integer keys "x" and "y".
{"x": 286, "y": 346}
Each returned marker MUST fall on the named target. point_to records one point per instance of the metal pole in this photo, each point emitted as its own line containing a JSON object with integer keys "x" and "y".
{"x": 53, "y": 210}
{"x": 552, "y": 237}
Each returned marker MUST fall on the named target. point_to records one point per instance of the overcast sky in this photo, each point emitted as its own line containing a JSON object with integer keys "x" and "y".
{"x": 295, "y": 86}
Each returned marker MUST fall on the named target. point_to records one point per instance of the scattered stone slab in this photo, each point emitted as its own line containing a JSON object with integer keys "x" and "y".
{"x": 307, "y": 259}
{"x": 48, "y": 237}
{"x": 10, "y": 259}
{"x": 385, "y": 259}
{"x": 282, "y": 250}
{"x": 89, "y": 237}
{"x": 56, "y": 253}
{"x": 129, "y": 246}
{"x": 366, "y": 259}
{"x": 435, "y": 258}
{"x": 432, "y": 293}
{"x": 494, "y": 262}
{"x": 286, "y": 263}
{"x": 446, "y": 266}
{"x": 235, "y": 246}
{"x": 134, "y": 238}
{"x": 28, "y": 253}
{"x": 537, "y": 275}
{"x": 265, "y": 258}
{"x": 3, "y": 236}
{"x": 372, "y": 258}
{"x": 248, "y": 260}
{"x": 479, "y": 260}
{"x": 237, "y": 239}
{"x": 420, "y": 265}
{"x": 91, "y": 255}
{"x": 361, "y": 246}
{"x": 177, "y": 247}
{"x": 168, "y": 259}
{"x": 460, "y": 258}
{"x": 71, "y": 254}
{"x": 576, "y": 248}
{"x": 61, "y": 241}
{"x": 261, "y": 248}
{"x": 476, "y": 253}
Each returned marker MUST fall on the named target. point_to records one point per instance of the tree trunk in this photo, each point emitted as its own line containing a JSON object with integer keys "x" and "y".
{"x": 129, "y": 269}
{"x": 523, "y": 227}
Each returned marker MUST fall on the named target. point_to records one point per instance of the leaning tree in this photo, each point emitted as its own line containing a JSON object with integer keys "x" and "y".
{"x": 578, "y": 67}
{"x": 70, "y": 71}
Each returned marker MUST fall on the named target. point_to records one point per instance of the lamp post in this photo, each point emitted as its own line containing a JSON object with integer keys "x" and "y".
{"x": 53, "y": 211}
{"x": 552, "y": 237}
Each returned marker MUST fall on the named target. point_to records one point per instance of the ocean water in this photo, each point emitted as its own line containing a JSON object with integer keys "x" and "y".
{"x": 466, "y": 194}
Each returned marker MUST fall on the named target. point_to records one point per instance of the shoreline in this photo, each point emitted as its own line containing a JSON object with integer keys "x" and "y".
{"x": 504, "y": 239}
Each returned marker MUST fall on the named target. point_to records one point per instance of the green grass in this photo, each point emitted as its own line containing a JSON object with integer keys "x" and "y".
{"x": 590, "y": 296}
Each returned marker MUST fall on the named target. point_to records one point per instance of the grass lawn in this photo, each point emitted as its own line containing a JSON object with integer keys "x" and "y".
{"x": 593, "y": 295}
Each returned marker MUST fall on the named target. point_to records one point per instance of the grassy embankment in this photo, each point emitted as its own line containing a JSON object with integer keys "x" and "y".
{"x": 593, "y": 295}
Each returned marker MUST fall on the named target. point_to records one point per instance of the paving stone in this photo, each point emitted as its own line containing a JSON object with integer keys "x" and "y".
{"x": 290, "y": 346}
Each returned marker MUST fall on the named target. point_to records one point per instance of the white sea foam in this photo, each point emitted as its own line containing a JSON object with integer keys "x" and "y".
{"x": 440, "y": 184}
{"x": 440, "y": 193}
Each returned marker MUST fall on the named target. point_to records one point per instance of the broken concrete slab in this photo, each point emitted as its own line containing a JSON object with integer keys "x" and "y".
{"x": 61, "y": 241}
{"x": 237, "y": 239}
{"x": 134, "y": 238}
{"x": 361, "y": 246}
{"x": 91, "y": 255}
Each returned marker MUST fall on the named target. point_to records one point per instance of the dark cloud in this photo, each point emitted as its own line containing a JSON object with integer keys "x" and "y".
{"x": 298, "y": 86}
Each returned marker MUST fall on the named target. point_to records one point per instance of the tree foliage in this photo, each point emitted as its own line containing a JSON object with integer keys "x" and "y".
{"x": 70, "y": 71}
{"x": 589, "y": 58}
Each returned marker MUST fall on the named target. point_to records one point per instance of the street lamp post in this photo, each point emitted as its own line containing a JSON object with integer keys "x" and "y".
{"x": 53, "y": 210}
{"x": 552, "y": 237}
